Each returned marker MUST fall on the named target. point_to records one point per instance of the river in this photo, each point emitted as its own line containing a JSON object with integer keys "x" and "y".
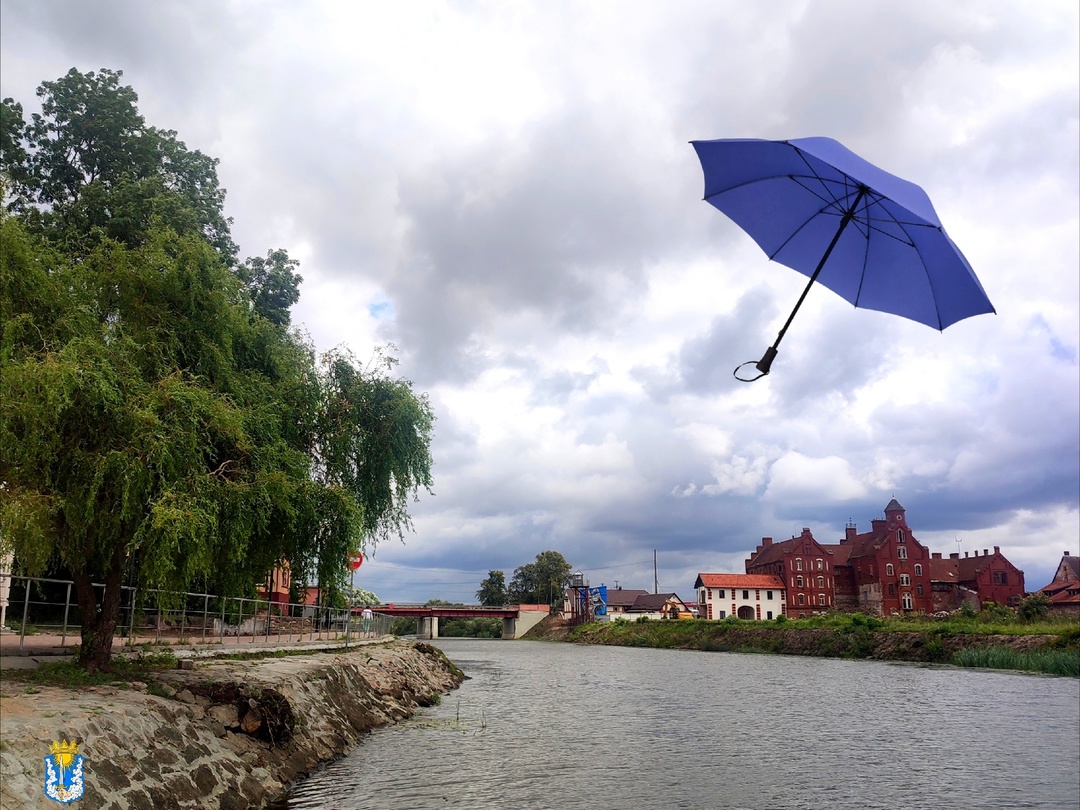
{"x": 548, "y": 725}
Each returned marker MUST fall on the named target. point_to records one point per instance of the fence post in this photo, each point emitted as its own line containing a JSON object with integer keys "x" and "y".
{"x": 67, "y": 606}
{"x": 25, "y": 613}
{"x": 205, "y": 612}
{"x": 131, "y": 619}
{"x": 183, "y": 616}
{"x": 221, "y": 632}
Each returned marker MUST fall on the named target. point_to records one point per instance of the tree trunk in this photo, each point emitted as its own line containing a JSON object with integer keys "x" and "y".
{"x": 99, "y": 620}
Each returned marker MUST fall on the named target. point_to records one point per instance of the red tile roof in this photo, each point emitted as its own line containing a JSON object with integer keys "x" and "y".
{"x": 739, "y": 581}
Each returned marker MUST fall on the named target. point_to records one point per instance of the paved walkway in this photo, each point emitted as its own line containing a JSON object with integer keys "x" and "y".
{"x": 28, "y": 651}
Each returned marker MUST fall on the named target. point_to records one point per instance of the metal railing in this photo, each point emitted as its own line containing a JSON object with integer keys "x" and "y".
{"x": 37, "y": 606}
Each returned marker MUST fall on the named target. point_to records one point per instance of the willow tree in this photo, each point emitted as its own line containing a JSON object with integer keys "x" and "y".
{"x": 160, "y": 421}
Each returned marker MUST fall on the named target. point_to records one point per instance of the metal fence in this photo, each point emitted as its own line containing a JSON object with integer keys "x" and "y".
{"x": 39, "y": 606}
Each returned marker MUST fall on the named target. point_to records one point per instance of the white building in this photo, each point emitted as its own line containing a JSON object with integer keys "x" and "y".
{"x": 747, "y": 596}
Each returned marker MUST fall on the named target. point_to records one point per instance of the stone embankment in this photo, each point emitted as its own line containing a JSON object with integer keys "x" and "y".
{"x": 229, "y": 733}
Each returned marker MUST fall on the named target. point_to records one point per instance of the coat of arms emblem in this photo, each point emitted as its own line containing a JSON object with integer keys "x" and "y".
{"x": 64, "y": 772}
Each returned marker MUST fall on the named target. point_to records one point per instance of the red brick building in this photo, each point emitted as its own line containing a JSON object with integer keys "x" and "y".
{"x": 806, "y": 568}
{"x": 885, "y": 570}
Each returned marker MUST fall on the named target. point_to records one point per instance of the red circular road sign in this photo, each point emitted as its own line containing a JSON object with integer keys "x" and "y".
{"x": 355, "y": 560}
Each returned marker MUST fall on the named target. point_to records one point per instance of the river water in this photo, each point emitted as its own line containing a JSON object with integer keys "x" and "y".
{"x": 544, "y": 725}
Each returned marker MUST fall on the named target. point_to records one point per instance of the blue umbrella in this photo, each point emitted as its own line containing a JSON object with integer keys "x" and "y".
{"x": 869, "y": 236}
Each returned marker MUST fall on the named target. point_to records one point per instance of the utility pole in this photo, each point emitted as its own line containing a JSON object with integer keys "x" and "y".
{"x": 655, "y": 581}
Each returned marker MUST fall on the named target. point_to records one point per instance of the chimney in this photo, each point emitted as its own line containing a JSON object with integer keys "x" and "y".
{"x": 850, "y": 531}
{"x": 877, "y": 526}
{"x": 986, "y": 552}
{"x": 936, "y": 555}
{"x": 1066, "y": 554}
{"x": 955, "y": 555}
{"x": 966, "y": 554}
{"x": 766, "y": 541}
{"x": 997, "y": 549}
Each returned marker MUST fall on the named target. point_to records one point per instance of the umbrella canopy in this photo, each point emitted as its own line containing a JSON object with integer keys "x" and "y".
{"x": 869, "y": 236}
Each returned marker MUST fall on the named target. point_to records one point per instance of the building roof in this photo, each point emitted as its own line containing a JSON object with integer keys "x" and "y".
{"x": 943, "y": 569}
{"x": 623, "y": 597}
{"x": 839, "y": 551}
{"x": 739, "y": 581}
{"x": 655, "y": 601}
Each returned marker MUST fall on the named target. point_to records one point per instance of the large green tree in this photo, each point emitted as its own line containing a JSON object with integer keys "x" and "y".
{"x": 542, "y": 581}
{"x": 493, "y": 590}
{"x": 160, "y": 421}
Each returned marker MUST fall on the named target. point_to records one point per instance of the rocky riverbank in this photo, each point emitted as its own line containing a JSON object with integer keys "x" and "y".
{"x": 229, "y": 733}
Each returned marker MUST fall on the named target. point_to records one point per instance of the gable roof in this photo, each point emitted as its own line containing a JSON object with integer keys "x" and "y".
{"x": 623, "y": 597}
{"x": 655, "y": 601}
{"x": 775, "y": 552}
{"x": 739, "y": 581}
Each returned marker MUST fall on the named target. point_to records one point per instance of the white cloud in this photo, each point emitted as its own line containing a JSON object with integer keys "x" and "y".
{"x": 506, "y": 192}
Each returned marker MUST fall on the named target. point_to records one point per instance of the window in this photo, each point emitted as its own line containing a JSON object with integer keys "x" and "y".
{"x": 799, "y": 581}
{"x": 768, "y": 595}
{"x": 918, "y": 570}
{"x": 901, "y": 553}
{"x": 905, "y": 600}
{"x": 1004, "y": 578}
{"x": 746, "y": 594}
{"x": 892, "y": 589}
{"x": 819, "y": 564}
{"x": 768, "y": 614}
{"x": 821, "y": 582}
{"x": 889, "y": 570}
{"x": 905, "y": 579}
{"x": 900, "y": 536}
{"x": 918, "y": 588}
{"x": 798, "y": 564}
{"x": 722, "y": 614}
{"x": 720, "y": 594}
{"x": 821, "y": 599}
{"x": 802, "y": 599}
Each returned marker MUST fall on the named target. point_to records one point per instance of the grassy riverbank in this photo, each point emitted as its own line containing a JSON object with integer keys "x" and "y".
{"x": 1051, "y": 647}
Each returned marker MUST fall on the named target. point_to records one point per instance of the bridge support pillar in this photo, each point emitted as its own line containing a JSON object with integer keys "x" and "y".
{"x": 427, "y": 627}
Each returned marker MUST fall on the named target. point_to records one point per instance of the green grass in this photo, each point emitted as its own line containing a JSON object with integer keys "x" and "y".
{"x": 855, "y": 636}
{"x": 1051, "y": 662}
{"x": 70, "y": 675}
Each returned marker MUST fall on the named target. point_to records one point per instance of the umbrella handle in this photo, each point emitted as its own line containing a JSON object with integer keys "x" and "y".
{"x": 763, "y": 365}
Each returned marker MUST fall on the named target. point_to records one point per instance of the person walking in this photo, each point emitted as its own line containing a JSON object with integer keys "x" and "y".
{"x": 367, "y": 616}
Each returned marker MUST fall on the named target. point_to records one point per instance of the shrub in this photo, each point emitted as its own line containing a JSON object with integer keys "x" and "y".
{"x": 1034, "y": 608}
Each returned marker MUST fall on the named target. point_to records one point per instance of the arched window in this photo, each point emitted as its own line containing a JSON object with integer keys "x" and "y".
{"x": 900, "y": 536}
{"x": 802, "y": 599}
{"x": 888, "y": 570}
{"x": 819, "y": 564}
{"x": 799, "y": 581}
{"x": 918, "y": 570}
{"x": 798, "y": 564}
{"x": 901, "y": 553}
{"x": 905, "y": 579}
{"x": 821, "y": 582}
{"x": 821, "y": 599}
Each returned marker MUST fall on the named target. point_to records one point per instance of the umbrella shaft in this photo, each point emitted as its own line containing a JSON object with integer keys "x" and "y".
{"x": 765, "y": 362}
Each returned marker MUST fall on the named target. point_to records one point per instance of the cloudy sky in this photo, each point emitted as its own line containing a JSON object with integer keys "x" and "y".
{"x": 506, "y": 192}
